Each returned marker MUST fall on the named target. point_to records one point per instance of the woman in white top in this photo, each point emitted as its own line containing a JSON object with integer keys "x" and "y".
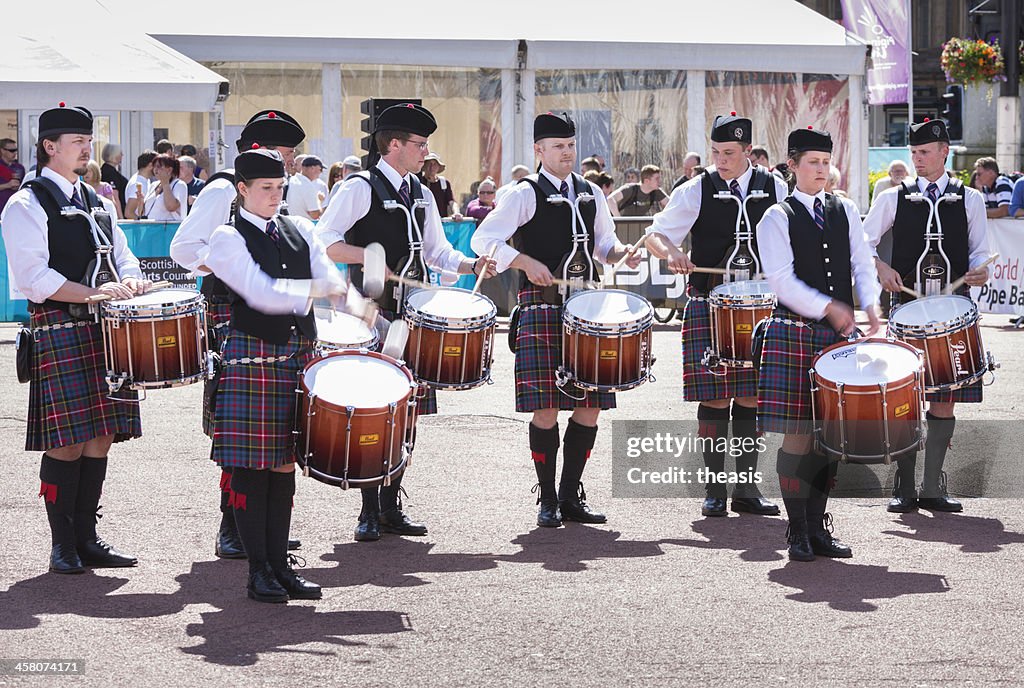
{"x": 167, "y": 197}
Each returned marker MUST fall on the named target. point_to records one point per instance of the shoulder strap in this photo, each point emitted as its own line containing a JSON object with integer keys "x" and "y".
{"x": 228, "y": 174}
{"x": 416, "y": 188}
{"x": 761, "y": 179}
{"x": 787, "y": 206}
{"x": 49, "y": 187}
{"x": 378, "y": 183}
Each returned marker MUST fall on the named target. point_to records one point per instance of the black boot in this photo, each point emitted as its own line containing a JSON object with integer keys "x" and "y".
{"x": 250, "y": 490}
{"x": 819, "y": 522}
{"x": 544, "y": 449}
{"x": 392, "y": 518}
{"x": 746, "y": 496}
{"x": 714, "y": 425}
{"x": 904, "y": 496}
{"x": 795, "y": 486}
{"x": 280, "y": 492}
{"x": 59, "y": 490}
{"x": 92, "y": 550}
{"x": 263, "y": 585}
{"x": 368, "y": 529}
{"x": 796, "y": 535}
{"x": 572, "y": 500}
{"x": 934, "y": 495}
{"x": 228, "y": 544}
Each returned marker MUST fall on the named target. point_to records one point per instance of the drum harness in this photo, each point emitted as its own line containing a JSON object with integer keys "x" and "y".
{"x": 925, "y": 281}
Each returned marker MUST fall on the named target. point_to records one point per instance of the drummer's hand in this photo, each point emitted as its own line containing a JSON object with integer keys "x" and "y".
{"x": 116, "y": 290}
{"x": 321, "y": 287}
{"x": 535, "y": 270}
{"x": 874, "y": 323}
{"x": 632, "y": 261}
{"x": 138, "y": 286}
{"x": 890, "y": 279}
{"x": 488, "y": 266}
{"x": 976, "y": 277}
{"x": 840, "y": 317}
{"x": 679, "y": 263}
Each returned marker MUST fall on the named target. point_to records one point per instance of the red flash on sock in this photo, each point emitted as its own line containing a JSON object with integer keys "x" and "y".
{"x": 587, "y": 457}
{"x": 539, "y": 457}
{"x": 789, "y": 484}
{"x": 237, "y": 500}
{"x": 705, "y": 429}
{"x": 225, "y": 481}
{"x": 48, "y": 492}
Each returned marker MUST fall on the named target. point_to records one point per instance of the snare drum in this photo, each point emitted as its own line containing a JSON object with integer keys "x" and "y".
{"x": 945, "y": 329}
{"x": 606, "y": 340}
{"x": 867, "y": 398}
{"x": 155, "y": 340}
{"x": 336, "y": 331}
{"x": 736, "y": 308}
{"x": 356, "y": 414}
{"x": 451, "y": 332}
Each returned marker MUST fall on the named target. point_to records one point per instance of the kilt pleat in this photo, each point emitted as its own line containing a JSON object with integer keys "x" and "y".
{"x": 218, "y": 315}
{"x": 699, "y": 384}
{"x": 68, "y": 394}
{"x": 538, "y": 354}
{"x": 255, "y": 407}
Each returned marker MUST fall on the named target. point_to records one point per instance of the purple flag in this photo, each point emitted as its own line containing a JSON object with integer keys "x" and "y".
{"x": 883, "y": 24}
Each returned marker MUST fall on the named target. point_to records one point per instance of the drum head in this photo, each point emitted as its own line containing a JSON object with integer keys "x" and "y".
{"x": 608, "y": 306}
{"x": 160, "y": 297}
{"x": 449, "y": 302}
{"x": 867, "y": 363}
{"x": 341, "y": 328}
{"x": 357, "y": 380}
{"x": 932, "y": 309}
{"x": 744, "y": 288}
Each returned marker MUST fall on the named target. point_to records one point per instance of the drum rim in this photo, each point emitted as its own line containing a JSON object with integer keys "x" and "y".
{"x": 359, "y": 410}
{"x": 935, "y": 328}
{"x": 570, "y": 319}
{"x": 872, "y": 387}
{"x": 411, "y": 308}
{"x": 122, "y": 310}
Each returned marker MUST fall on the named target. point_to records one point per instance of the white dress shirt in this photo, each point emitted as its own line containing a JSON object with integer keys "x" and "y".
{"x": 777, "y": 260}
{"x": 155, "y": 205}
{"x": 352, "y": 203}
{"x": 679, "y": 216}
{"x": 518, "y": 207}
{"x": 26, "y": 237}
{"x": 229, "y": 258}
{"x": 883, "y": 213}
{"x": 211, "y": 209}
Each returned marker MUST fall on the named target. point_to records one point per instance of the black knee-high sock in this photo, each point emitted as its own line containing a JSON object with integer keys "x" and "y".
{"x": 576, "y": 447}
{"x": 90, "y": 488}
{"x": 389, "y": 494}
{"x": 744, "y": 432}
{"x": 544, "y": 449}
{"x": 249, "y": 498}
{"x": 227, "y": 513}
{"x": 823, "y": 468}
{"x": 371, "y": 501}
{"x": 713, "y": 424}
{"x": 794, "y": 483}
{"x": 59, "y": 490}
{"x": 940, "y": 432}
{"x": 280, "y": 495}
{"x": 905, "y": 474}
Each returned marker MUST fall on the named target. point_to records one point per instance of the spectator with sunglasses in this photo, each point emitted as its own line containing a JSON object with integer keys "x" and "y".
{"x": 11, "y": 171}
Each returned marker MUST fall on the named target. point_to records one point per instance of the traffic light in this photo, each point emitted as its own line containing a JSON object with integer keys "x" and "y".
{"x": 954, "y": 111}
{"x": 371, "y": 109}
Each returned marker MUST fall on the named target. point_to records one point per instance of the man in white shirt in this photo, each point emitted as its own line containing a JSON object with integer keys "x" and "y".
{"x": 138, "y": 186}
{"x": 307, "y": 191}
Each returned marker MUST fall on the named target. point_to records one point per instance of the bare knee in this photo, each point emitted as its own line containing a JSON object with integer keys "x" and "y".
{"x": 796, "y": 444}
{"x": 545, "y": 419}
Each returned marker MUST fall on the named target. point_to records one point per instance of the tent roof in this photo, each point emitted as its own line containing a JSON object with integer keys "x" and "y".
{"x": 777, "y": 35}
{"x": 76, "y": 60}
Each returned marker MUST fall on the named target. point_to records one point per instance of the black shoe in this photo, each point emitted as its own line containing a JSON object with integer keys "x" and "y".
{"x": 229, "y": 544}
{"x": 577, "y": 510}
{"x": 64, "y": 559}
{"x": 263, "y": 586}
{"x": 395, "y": 521}
{"x": 799, "y": 544}
{"x": 98, "y": 554}
{"x": 714, "y": 506}
{"x": 902, "y": 503}
{"x": 754, "y": 504}
{"x": 823, "y": 543}
{"x": 298, "y": 588}
{"x": 547, "y": 515}
{"x": 294, "y": 543}
{"x": 939, "y": 499}
{"x": 368, "y": 529}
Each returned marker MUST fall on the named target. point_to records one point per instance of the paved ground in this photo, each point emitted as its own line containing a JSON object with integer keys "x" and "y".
{"x": 659, "y": 596}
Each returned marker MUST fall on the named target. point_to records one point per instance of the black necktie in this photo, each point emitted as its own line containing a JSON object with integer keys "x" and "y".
{"x": 734, "y": 186}
{"x": 564, "y": 189}
{"x": 403, "y": 193}
{"x": 933, "y": 191}
{"x": 76, "y": 198}
{"x": 272, "y": 232}
{"x": 819, "y": 214}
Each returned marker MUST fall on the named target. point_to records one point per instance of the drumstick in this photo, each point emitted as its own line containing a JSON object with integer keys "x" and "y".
{"x": 480, "y": 277}
{"x": 106, "y": 297}
{"x": 629, "y": 252}
{"x": 907, "y": 290}
{"x": 960, "y": 282}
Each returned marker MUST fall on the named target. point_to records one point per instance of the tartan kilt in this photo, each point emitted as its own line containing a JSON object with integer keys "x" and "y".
{"x": 218, "y": 316}
{"x": 699, "y": 384}
{"x": 255, "y": 408}
{"x": 426, "y": 404}
{"x": 539, "y": 353}
{"x": 67, "y": 398}
{"x": 965, "y": 395}
{"x": 784, "y": 387}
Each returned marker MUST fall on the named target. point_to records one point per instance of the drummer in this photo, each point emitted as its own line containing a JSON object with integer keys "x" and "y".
{"x": 71, "y": 417}
{"x": 273, "y": 268}
{"x": 542, "y": 234}
{"x": 357, "y": 218}
{"x": 813, "y": 251}
{"x": 274, "y": 130}
{"x": 693, "y": 210}
{"x": 965, "y": 242}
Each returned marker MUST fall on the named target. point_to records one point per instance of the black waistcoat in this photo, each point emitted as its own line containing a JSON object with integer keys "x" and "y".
{"x": 69, "y": 239}
{"x": 909, "y": 226}
{"x": 289, "y": 259}
{"x": 547, "y": 236}
{"x": 714, "y": 231}
{"x": 821, "y": 259}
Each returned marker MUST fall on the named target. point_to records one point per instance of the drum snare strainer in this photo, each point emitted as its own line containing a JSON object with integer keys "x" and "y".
{"x": 735, "y": 309}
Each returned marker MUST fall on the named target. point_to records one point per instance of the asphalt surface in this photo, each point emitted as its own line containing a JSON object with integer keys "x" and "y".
{"x": 657, "y": 597}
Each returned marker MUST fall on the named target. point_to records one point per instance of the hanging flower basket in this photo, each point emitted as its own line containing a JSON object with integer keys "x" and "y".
{"x": 967, "y": 61}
